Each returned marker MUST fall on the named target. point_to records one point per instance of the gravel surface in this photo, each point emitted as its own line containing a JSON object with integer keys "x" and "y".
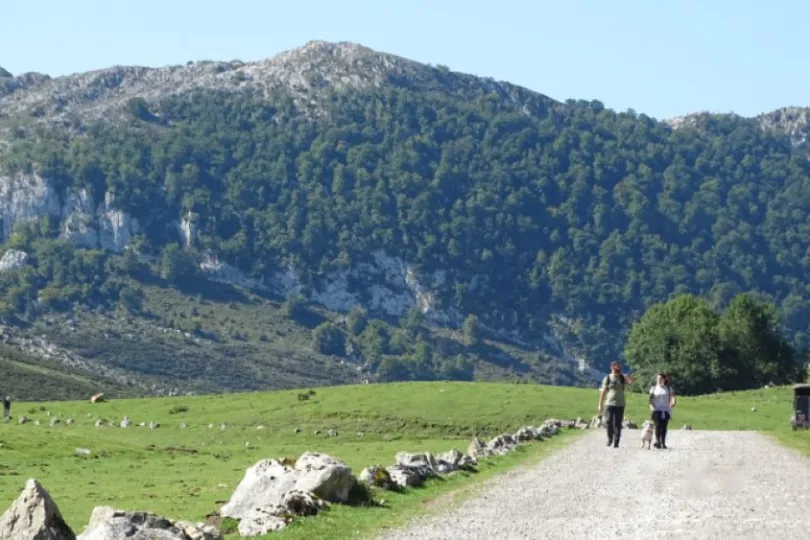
{"x": 708, "y": 484}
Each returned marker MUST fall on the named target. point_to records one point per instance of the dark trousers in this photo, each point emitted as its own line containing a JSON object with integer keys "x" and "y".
{"x": 614, "y": 416}
{"x": 661, "y": 421}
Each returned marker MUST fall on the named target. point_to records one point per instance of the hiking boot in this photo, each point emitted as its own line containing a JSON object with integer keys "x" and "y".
{"x": 609, "y": 443}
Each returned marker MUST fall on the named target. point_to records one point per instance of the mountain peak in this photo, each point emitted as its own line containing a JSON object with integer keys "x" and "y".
{"x": 5, "y": 74}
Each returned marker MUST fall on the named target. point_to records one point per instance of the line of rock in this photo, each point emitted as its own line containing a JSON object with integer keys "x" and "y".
{"x": 272, "y": 493}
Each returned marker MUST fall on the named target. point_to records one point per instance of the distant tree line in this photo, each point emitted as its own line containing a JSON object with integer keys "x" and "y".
{"x": 704, "y": 351}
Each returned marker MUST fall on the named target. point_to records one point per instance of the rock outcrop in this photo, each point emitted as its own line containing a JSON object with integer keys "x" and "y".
{"x": 34, "y": 516}
{"x": 12, "y": 259}
{"x": 82, "y": 221}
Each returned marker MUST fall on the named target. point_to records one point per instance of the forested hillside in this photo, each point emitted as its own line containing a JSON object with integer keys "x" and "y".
{"x": 542, "y": 218}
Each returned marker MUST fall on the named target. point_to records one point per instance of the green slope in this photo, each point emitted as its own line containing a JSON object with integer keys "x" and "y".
{"x": 182, "y": 472}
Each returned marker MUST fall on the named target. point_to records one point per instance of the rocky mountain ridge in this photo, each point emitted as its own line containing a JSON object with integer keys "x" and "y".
{"x": 76, "y": 99}
{"x": 390, "y": 137}
{"x": 79, "y": 98}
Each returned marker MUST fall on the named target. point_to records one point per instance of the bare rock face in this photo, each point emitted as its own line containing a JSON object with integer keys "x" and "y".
{"x": 34, "y": 516}
{"x": 110, "y": 524}
{"x": 12, "y": 259}
{"x": 268, "y": 481}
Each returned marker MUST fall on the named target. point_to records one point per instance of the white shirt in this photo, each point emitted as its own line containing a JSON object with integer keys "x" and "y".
{"x": 660, "y": 398}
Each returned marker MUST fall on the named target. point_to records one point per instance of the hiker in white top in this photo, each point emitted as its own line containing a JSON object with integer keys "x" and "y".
{"x": 662, "y": 400}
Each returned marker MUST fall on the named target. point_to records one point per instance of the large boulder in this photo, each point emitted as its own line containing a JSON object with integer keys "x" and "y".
{"x": 110, "y": 524}
{"x": 423, "y": 464}
{"x": 265, "y": 520}
{"x": 34, "y": 516}
{"x": 265, "y": 483}
{"x": 377, "y": 476}
{"x": 526, "y": 434}
{"x": 478, "y": 449}
{"x": 405, "y": 476}
{"x": 452, "y": 460}
{"x": 502, "y": 444}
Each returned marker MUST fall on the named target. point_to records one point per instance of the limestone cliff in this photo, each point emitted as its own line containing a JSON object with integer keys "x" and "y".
{"x": 83, "y": 221}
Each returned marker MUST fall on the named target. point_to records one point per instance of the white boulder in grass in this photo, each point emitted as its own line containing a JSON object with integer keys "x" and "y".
{"x": 266, "y": 483}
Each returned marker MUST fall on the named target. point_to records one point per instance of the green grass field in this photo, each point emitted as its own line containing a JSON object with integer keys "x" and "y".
{"x": 183, "y": 473}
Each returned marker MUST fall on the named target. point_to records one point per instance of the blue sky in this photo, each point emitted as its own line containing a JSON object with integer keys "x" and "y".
{"x": 659, "y": 58}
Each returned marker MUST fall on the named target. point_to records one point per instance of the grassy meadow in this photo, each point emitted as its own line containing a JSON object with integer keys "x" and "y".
{"x": 189, "y": 472}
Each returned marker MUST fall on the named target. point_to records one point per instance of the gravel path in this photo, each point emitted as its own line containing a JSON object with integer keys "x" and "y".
{"x": 708, "y": 484}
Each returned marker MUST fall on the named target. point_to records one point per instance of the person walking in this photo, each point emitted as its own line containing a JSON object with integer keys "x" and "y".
{"x": 662, "y": 400}
{"x": 612, "y": 401}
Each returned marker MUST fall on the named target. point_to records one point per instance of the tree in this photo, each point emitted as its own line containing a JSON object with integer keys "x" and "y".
{"x": 356, "y": 320}
{"x": 294, "y": 307}
{"x": 472, "y": 331}
{"x": 131, "y": 298}
{"x": 704, "y": 351}
{"x": 328, "y": 338}
{"x": 757, "y": 353}
{"x": 177, "y": 265}
{"x": 139, "y": 108}
{"x": 412, "y": 321}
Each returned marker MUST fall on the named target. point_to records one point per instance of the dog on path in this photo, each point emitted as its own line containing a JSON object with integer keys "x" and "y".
{"x": 647, "y": 434}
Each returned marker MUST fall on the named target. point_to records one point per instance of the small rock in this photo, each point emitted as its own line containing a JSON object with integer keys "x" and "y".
{"x": 84, "y": 452}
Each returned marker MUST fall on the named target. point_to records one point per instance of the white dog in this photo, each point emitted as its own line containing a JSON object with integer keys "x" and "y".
{"x": 647, "y": 433}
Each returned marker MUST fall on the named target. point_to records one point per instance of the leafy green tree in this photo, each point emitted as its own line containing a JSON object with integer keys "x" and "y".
{"x": 131, "y": 299}
{"x": 294, "y": 307}
{"x": 412, "y": 321}
{"x": 356, "y": 320}
{"x": 472, "y": 331}
{"x": 704, "y": 351}
{"x": 328, "y": 338}
{"x": 177, "y": 265}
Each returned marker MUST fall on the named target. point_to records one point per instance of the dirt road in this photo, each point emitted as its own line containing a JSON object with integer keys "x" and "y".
{"x": 707, "y": 485}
